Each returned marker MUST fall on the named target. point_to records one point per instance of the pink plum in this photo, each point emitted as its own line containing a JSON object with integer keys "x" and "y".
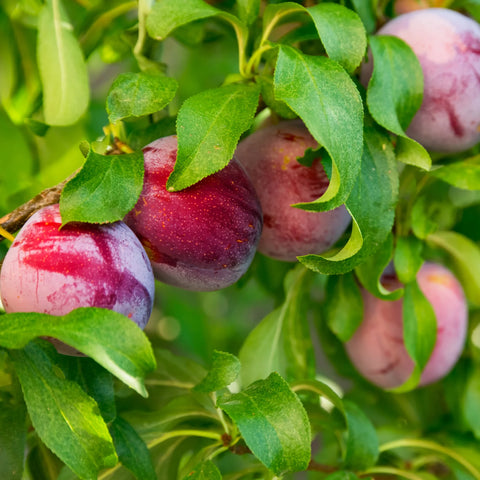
{"x": 270, "y": 157}
{"x": 203, "y": 237}
{"x": 52, "y": 270}
{"x": 447, "y": 45}
{"x": 377, "y": 348}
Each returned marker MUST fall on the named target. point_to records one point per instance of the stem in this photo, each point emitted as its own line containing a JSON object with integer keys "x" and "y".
{"x": 143, "y": 9}
{"x": 13, "y": 221}
{"x": 221, "y": 416}
{"x": 390, "y": 471}
{"x": 185, "y": 433}
{"x": 429, "y": 445}
{"x": 6, "y": 235}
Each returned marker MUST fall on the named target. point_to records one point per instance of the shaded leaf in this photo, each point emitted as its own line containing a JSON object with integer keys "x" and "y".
{"x": 281, "y": 341}
{"x": 131, "y": 450}
{"x": 344, "y": 305}
{"x": 465, "y": 254}
{"x": 376, "y": 190}
{"x": 462, "y": 174}
{"x": 205, "y": 471}
{"x": 370, "y": 272}
{"x": 64, "y": 416}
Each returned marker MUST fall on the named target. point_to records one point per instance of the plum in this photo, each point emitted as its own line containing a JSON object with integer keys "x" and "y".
{"x": 447, "y": 45}
{"x": 377, "y": 348}
{"x": 203, "y": 237}
{"x": 270, "y": 157}
{"x": 54, "y": 271}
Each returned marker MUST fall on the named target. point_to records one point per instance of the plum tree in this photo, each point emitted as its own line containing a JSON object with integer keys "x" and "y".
{"x": 447, "y": 45}
{"x": 52, "y": 270}
{"x": 203, "y": 237}
{"x": 377, "y": 348}
{"x": 269, "y": 156}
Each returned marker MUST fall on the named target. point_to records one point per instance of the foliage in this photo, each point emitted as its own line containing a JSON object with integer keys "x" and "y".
{"x": 252, "y": 381}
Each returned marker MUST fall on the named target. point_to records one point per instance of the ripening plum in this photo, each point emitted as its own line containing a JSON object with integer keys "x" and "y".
{"x": 447, "y": 45}
{"x": 54, "y": 271}
{"x": 269, "y": 156}
{"x": 203, "y": 237}
{"x": 377, "y": 348}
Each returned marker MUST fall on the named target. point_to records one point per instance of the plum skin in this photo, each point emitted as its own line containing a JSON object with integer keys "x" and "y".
{"x": 54, "y": 271}
{"x": 269, "y": 156}
{"x": 377, "y": 348}
{"x": 203, "y": 237}
{"x": 447, "y": 45}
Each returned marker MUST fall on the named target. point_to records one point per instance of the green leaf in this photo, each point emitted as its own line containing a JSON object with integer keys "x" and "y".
{"x": 344, "y": 305}
{"x": 205, "y": 471}
{"x": 281, "y": 341}
{"x": 13, "y": 433}
{"x": 324, "y": 96}
{"x": 361, "y": 443}
{"x": 463, "y": 174}
{"x": 408, "y": 258}
{"x": 376, "y": 190}
{"x": 63, "y": 71}
{"x": 95, "y": 380}
{"x": 209, "y": 126}
{"x": 224, "y": 371}
{"x": 470, "y": 402}
{"x": 105, "y": 190}
{"x": 65, "y": 417}
{"x": 370, "y": 272}
{"x": 131, "y": 450}
{"x": 248, "y": 10}
{"x": 272, "y": 422}
{"x": 395, "y": 94}
{"x": 110, "y": 338}
{"x": 137, "y": 94}
{"x": 342, "y": 33}
{"x": 419, "y": 331}
{"x": 465, "y": 254}
{"x": 165, "y": 16}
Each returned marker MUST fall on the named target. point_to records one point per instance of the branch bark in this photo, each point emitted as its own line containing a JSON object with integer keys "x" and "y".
{"x": 13, "y": 221}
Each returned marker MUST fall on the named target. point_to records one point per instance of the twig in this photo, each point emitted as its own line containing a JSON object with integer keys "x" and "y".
{"x": 13, "y": 221}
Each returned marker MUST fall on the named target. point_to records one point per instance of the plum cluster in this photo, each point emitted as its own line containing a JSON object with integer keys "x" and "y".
{"x": 201, "y": 238}
{"x": 205, "y": 237}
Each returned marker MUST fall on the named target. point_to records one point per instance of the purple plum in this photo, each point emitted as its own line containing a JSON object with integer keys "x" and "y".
{"x": 203, "y": 237}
